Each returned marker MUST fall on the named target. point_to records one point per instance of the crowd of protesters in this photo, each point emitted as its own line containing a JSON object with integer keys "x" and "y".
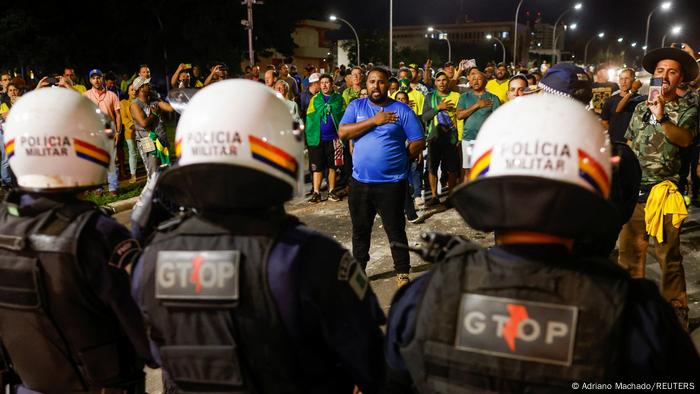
{"x": 360, "y": 122}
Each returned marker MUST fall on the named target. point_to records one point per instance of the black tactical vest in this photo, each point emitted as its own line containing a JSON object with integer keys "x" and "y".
{"x": 59, "y": 336}
{"x": 483, "y": 325}
{"x": 210, "y": 311}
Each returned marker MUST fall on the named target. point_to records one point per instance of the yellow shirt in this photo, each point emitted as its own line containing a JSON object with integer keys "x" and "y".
{"x": 416, "y": 99}
{"x": 499, "y": 90}
{"x": 4, "y": 109}
{"x": 127, "y": 119}
{"x": 80, "y": 88}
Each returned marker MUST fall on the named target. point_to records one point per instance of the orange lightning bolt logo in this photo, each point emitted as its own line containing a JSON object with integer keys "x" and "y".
{"x": 196, "y": 267}
{"x": 517, "y": 313}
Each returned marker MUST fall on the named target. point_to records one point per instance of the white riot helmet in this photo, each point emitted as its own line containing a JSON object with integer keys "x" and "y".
{"x": 237, "y": 146}
{"x": 541, "y": 164}
{"x": 54, "y": 140}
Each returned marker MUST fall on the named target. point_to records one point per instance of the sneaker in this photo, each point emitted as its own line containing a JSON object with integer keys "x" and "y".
{"x": 333, "y": 197}
{"x": 132, "y": 179}
{"x": 315, "y": 198}
{"x": 402, "y": 280}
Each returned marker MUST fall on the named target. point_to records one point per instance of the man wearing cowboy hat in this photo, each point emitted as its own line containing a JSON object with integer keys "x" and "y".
{"x": 656, "y": 133}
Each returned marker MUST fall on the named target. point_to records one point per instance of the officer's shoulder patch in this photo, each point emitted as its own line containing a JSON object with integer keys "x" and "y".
{"x": 350, "y": 271}
{"x": 124, "y": 253}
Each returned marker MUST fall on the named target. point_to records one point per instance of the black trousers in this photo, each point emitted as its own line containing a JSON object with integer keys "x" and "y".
{"x": 365, "y": 201}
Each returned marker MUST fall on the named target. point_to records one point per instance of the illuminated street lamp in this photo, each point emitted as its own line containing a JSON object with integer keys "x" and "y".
{"x": 572, "y": 26}
{"x": 665, "y": 6}
{"x": 503, "y": 47}
{"x": 675, "y": 30}
{"x": 576, "y": 7}
{"x": 333, "y": 18}
{"x": 585, "y": 51}
{"x": 442, "y": 36}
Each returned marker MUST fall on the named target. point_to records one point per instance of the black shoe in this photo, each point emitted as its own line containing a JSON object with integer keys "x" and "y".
{"x": 315, "y": 198}
{"x": 333, "y": 197}
{"x": 433, "y": 202}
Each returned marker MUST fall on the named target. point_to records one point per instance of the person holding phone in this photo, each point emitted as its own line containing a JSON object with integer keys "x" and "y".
{"x": 660, "y": 127}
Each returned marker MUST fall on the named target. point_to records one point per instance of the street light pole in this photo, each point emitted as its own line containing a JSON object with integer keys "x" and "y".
{"x": 664, "y": 6}
{"x": 515, "y": 34}
{"x": 443, "y": 36}
{"x": 249, "y": 26}
{"x": 585, "y": 50}
{"x": 503, "y": 47}
{"x": 571, "y": 27}
{"x": 357, "y": 38}
{"x": 554, "y": 30}
{"x": 675, "y": 30}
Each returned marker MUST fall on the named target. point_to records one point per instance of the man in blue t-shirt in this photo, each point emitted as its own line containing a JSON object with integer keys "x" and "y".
{"x": 379, "y": 128}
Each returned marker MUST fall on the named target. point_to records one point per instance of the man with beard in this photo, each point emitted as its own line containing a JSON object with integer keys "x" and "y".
{"x": 474, "y": 107}
{"x": 657, "y": 132}
{"x": 499, "y": 85}
{"x": 379, "y": 128}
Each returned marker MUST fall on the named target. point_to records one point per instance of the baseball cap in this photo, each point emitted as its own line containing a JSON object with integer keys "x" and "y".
{"x": 413, "y": 66}
{"x": 140, "y": 81}
{"x": 95, "y": 71}
{"x": 315, "y": 77}
{"x": 567, "y": 80}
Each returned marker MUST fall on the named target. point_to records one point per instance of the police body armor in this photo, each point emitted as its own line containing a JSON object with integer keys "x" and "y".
{"x": 210, "y": 310}
{"x": 486, "y": 324}
{"x": 59, "y": 336}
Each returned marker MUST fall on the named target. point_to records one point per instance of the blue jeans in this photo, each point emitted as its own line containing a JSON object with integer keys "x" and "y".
{"x": 5, "y": 165}
{"x": 132, "y": 156}
{"x": 414, "y": 178}
{"x": 113, "y": 170}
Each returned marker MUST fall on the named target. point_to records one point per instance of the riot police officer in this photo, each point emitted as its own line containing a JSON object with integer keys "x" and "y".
{"x": 237, "y": 295}
{"x": 529, "y": 315}
{"x": 67, "y": 319}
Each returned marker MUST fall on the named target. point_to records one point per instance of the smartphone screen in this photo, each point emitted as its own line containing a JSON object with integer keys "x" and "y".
{"x": 655, "y": 89}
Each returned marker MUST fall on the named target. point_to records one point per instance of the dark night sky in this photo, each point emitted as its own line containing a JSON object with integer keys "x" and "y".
{"x": 615, "y": 17}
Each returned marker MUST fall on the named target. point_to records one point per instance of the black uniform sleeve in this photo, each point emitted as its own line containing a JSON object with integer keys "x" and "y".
{"x": 102, "y": 251}
{"x": 337, "y": 298}
{"x": 657, "y": 347}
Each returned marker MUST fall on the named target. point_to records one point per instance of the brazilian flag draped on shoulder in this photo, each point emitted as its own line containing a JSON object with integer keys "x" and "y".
{"x": 444, "y": 122}
{"x": 318, "y": 112}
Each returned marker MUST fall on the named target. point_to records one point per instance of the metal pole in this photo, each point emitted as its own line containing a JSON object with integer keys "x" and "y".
{"x": 646, "y": 36}
{"x": 391, "y": 34}
{"x": 515, "y": 34}
{"x": 357, "y": 38}
{"x": 251, "y": 55}
{"x": 585, "y": 53}
{"x": 449, "y": 49}
{"x": 503, "y": 47}
{"x": 554, "y": 33}
{"x": 663, "y": 41}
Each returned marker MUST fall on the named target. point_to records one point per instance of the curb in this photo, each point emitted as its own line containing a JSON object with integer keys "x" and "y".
{"x": 123, "y": 205}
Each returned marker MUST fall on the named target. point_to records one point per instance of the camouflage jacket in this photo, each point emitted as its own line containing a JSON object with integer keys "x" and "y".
{"x": 659, "y": 158}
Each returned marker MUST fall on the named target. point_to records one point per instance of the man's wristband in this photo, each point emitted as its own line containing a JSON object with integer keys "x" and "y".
{"x": 664, "y": 118}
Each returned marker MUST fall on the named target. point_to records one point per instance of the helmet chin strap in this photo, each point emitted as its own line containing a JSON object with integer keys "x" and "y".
{"x": 531, "y": 237}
